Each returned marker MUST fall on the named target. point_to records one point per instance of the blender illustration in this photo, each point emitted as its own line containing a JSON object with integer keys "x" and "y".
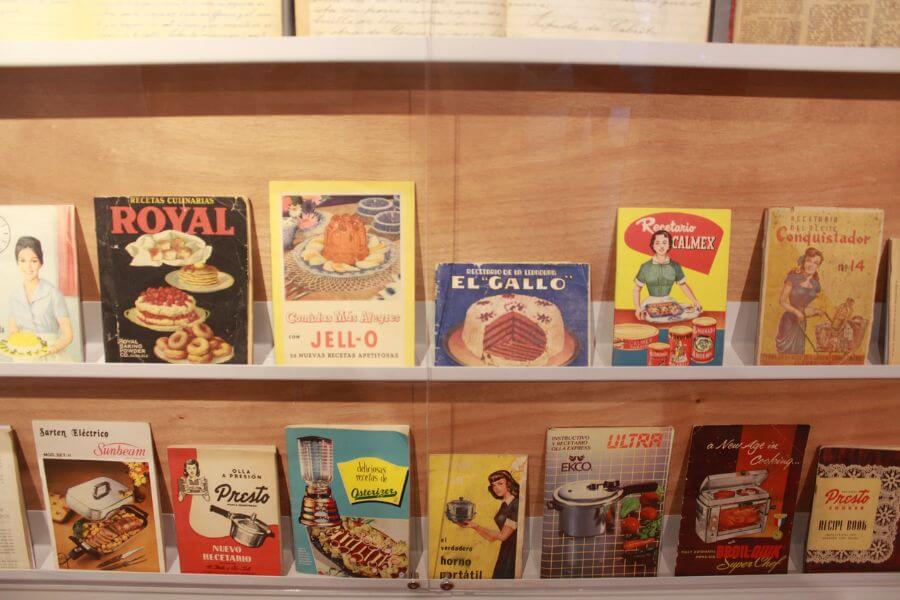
{"x": 319, "y": 507}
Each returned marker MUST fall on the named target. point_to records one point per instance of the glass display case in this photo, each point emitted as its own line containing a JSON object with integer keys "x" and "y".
{"x": 521, "y": 150}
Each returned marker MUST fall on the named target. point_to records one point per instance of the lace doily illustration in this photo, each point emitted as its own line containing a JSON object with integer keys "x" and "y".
{"x": 887, "y": 515}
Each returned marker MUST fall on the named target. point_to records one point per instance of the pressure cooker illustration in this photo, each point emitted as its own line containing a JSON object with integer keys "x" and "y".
{"x": 590, "y": 508}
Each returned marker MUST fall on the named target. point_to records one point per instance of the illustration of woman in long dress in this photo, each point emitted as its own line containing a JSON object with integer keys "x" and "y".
{"x": 801, "y": 286}
{"x": 37, "y": 305}
{"x": 658, "y": 275}
{"x": 505, "y": 488}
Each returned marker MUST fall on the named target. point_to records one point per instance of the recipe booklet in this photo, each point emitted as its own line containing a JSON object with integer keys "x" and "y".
{"x": 101, "y": 496}
{"x": 15, "y": 537}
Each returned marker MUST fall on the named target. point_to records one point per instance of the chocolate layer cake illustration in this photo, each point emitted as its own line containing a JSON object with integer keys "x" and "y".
{"x": 514, "y": 329}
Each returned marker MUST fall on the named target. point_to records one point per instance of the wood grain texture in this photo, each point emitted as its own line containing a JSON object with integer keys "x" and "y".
{"x": 511, "y": 162}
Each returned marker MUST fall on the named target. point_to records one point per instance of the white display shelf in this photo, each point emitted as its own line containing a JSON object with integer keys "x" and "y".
{"x": 66, "y": 53}
{"x": 45, "y": 582}
{"x": 740, "y": 340}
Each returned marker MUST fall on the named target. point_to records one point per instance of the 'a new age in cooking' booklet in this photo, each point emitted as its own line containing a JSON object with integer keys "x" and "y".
{"x": 101, "y": 495}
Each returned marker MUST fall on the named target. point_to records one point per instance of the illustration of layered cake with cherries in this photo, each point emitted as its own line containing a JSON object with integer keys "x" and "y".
{"x": 512, "y": 329}
{"x": 512, "y": 315}
{"x": 166, "y": 307}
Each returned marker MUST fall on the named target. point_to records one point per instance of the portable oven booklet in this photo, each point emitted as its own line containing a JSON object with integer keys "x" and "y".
{"x": 101, "y": 495}
{"x": 175, "y": 279}
{"x": 40, "y": 307}
{"x": 227, "y": 509}
{"x": 343, "y": 272}
{"x": 604, "y": 491}
{"x": 740, "y": 494}
{"x": 350, "y": 499}
{"x": 476, "y": 515}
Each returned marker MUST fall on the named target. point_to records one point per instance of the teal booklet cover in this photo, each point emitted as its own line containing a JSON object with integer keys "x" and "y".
{"x": 350, "y": 499}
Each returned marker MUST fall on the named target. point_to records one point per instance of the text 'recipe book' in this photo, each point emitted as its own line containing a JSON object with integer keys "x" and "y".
{"x": 15, "y": 549}
{"x": 343, "y": 272}
{"x": 604, "y": 492}
{"x": 513, "y": 314}
{"x": 740, "y": 494}
{"x": 855, "y": 514}
{"x": 609, "y": 20}
{"x": 175, "y": 279}
{"x": 40, "y": 307}
{"x": 227, "y": 509}
{"x": 476, "y": 515}
{"x": 671, "y": 286}
{"x": 101, "y": 495}
{"x": 818, "y": 285}
{"x": 350, "y": 500}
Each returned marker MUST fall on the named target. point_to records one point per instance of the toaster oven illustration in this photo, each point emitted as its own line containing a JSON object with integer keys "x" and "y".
{"x": 731, "y": 505}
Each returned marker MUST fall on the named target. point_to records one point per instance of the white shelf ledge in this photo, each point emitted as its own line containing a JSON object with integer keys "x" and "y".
{"x": 46, "y": 582}
{"x": 176, "y": 51}
{"x": 740, "y": 340}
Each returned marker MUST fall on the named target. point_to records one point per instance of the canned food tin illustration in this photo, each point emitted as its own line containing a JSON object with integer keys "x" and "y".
{"x": 703, "y": 343}
{"x": 680, "y": 346}
{"x": 658, "y": 354}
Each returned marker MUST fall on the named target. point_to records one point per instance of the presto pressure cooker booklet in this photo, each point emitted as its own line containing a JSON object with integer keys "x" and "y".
{"x": 739, "y": 499}
{"x": 101, "y": 495}
{"x": 604, "y": 491}
{"x": 226, "y": 505}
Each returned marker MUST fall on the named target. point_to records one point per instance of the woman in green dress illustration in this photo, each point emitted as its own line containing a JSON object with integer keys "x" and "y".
{"x": 658, "y": 275}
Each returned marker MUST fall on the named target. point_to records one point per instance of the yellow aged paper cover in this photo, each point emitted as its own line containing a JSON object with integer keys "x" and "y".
{"x": 343, "y": 272}
{"x": 459, "y": 549}
{"x": 818, "y": 285}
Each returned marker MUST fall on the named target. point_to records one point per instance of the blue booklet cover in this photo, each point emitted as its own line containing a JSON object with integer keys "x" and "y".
{"x": 513, "y": 314}
{"x": 350, "y": 499}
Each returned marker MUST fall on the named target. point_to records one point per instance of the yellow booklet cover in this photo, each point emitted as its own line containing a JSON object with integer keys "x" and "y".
{"x": 343, "y": 272}
{"x": 476, "y": 515}
{"x": 671, "y": 286}
{"x": 818, "y": 285}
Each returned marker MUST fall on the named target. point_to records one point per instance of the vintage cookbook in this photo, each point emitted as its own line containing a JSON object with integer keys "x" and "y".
{"x": 40, "y": 307}
{"x": 817, "y": 22}
{"x": 892, "y": 315}
{"x": 740, "y": 493}
{"x": 671, "y": 286}
{"x": 350, "y": 499}
{"x": 101, "y": 495}
{"x": 227, "y": 509}
{"x": 513, "y": 314}
{"x": 818, "y": 285}
{"x": 856, "y": 511}
{"x": 343, "y": 272}
{"x": 15, "y": 537}
{"x": 604, "y": 492}
{"x": 476, "y": 515}
{"x": 609, "y": 20}
{"x": 175, "y": 278}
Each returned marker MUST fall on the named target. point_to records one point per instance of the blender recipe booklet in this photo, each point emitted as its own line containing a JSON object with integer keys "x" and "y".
{"x": 350, "y": 499}
{"x": 101, "y": 495}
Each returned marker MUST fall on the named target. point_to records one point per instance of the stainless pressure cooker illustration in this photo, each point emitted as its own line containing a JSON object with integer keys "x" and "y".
{"x": 590, "y": 508}
{"x": 460, "y": 511}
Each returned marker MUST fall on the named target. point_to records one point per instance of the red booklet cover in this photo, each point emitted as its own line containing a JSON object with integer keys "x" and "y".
{"x": 855, "y": 512}
{"x": 739, "y": 499}
{"x": 225, "y": 500}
